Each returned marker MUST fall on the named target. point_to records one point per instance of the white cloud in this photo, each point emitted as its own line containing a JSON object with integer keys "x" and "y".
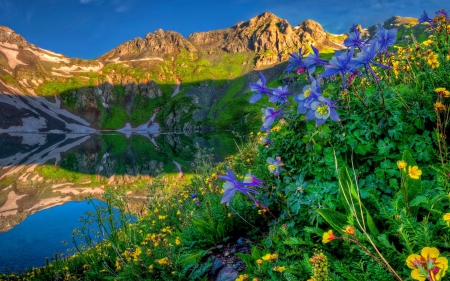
{"x": 87, "y": 1}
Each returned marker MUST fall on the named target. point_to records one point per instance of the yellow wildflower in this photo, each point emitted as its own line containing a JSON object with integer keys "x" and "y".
{"x": 328, "y": 236}
{"x": 242, "y": 277}
{"x": 178, "y": 241}
{"x": 446, "y": 218}
{"x": 439, "y": 106}
{"x": 414, "y": 172}
{"x": 401, "y": 164}
{"x": 427, "y": 265}
{"x": 266, "y": 257}
{"x": 259, "y": 261}
{"x": 432, "y": 60}
{"x": 427, "y": 42}
{"x": 163, "y": 261}
{"x": 443, "y": 92}
{"x": 279, "y": 268}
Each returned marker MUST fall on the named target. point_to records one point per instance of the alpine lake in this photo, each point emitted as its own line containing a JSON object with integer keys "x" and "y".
{"x": 45, "y": 180}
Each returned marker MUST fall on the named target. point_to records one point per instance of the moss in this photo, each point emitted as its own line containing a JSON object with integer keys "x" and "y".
{"x": 116, "y": 119}
{"x": 60, "y": 87}
{"x": 8, "y": 79}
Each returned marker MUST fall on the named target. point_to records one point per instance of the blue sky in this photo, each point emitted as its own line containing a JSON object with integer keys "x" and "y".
{"x": 89, "y": 28}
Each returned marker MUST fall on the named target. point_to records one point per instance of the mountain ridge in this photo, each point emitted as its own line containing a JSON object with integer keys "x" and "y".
{"x": 190, "y": 82}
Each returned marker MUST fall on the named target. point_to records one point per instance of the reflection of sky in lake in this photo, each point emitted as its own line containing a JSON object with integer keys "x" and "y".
{"x": 38, "y": 171}
{"x": 40, "y": 236}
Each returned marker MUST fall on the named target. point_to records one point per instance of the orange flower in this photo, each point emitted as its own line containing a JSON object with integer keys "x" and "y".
{"x": 328, "y": 236}
{"x": 350, "y": 230}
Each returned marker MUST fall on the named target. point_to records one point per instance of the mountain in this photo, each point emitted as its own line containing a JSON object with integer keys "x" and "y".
{"x": 182, "y": 84}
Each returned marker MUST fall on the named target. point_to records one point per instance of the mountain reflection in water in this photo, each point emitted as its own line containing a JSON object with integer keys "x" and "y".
{"x": 39, "y": 171}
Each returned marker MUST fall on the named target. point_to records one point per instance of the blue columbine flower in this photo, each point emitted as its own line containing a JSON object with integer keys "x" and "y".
{"x": 424, "y": 18}
{"x": 232, "y": 186}
{"x": 321, "y": 110}
{"x": 309, "y": 94}
{"x": 250, "y": 178}
{"x": 354, "y": 39}
{"x": 365, "y": 58}
{"x": 259, "y": 88}
{"x": 385, "y": 38}
{"x": 279, "y": 95}
{"x": 274, "y": 165}
{"x": 295, "y": 60}
{"x": 313, "y": 60}
{"x": 339, "y": 64}
{"x": 269, "y": 116}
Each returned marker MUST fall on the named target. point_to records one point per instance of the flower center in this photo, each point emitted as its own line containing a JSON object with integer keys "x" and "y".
{"x": 322, "y": 110}
{"x": 307, "y": 93}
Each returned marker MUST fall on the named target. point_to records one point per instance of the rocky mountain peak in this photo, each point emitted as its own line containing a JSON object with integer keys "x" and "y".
{"x": 158, "y": 44}
{"x": 311, "y": 29}
{"x": 7, "y": 35}
{"x": 396, "y": 21}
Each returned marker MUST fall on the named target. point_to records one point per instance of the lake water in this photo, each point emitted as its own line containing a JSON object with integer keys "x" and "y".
{"x": 44, "y": 179}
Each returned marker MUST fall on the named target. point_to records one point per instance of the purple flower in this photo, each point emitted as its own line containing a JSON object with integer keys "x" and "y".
{"x": 259, "y": 88}
{"x": 274, "y": 165}
{"x": 279, "y": 95}
{"x": 321, "y": 110}
{"x": 232, "y": 186}
{"x": 354, "y": 39}
{"x": 313, "y": 60}
{"x": 295, "y": 60}
{"x": 424, "y": 18}
{"x": 269, "y": 116}
{"x": 309, "y": 94}
{"x": 443, "y": 13}
{"x": 250, "y": 178}
{"x": 365, "y": 58}
{"x": 339, "y": 64}
{"x": 385, "y": 38}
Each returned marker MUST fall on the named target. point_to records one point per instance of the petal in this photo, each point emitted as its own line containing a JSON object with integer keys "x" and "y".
{"x": 255, "y": 97}
{"x": 314, "y": 105}
{"x": 334, "y": 116}
{"x": 310, "y": 115}
{"x": 329, "y": 72}
{"x": 263, "y": 79}
{"x": 415, "y": 274}
{"x": 411, "y": 259}
{"x": 430, "y": 252}
{"x": 229, "y": 193}
{"x": 442, "y": 263}
{"x": 320, "y": 121}
{"x": 302, "y": 109}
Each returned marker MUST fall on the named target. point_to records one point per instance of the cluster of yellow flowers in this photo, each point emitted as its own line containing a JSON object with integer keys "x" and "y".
{"x": 269, "y": 257}
{"x": 319, "y": 264}
{"x": 413, "y": 171}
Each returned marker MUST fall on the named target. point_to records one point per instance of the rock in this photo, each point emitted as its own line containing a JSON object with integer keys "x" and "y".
{"x": 217, "y": 264}
{"x": 227, "y": 274}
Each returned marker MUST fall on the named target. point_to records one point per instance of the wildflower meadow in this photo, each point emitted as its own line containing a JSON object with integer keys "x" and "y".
{"x": 348, "y": 179}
